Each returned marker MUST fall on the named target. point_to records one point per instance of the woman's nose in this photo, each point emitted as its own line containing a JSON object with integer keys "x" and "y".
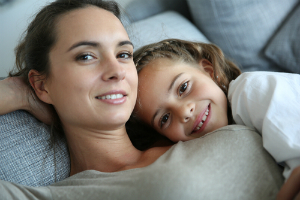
{"x": 113, "y": 70}
{"x": 186, "y": 112}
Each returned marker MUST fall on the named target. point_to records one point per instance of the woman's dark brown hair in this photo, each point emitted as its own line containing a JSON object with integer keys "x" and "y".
{"x": 32, "y": 53}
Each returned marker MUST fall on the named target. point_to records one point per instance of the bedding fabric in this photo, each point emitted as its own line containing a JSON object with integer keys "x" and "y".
{"x": 230, "y": 163}
{"x": 284, "y": 48}
{"x": 269, "y": 102}
{"x": 241, "y": 28}
{"x": 26, "y": 155}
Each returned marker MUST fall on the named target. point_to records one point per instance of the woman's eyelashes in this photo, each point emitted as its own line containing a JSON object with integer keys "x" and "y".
{"x": 125, "y": 55}
{"x": 85, "y": 57}
{"x": 88, "y": 57}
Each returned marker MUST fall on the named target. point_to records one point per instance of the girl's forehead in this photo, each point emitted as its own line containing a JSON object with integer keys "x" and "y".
{"x": 167, "y": 65}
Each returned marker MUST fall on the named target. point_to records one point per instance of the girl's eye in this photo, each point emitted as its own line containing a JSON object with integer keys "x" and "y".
{"x": 183, "y": 88}
{"x": 85, "y": 57}
{"x": 125, "y": 55}
{"x": 164, "y": 119}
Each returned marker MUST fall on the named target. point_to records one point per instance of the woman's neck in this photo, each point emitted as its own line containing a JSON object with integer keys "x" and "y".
{"x": 107, "y": 151}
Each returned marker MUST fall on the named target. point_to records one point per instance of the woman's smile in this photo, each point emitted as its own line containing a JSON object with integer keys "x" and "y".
{"x": 113, "y": 97}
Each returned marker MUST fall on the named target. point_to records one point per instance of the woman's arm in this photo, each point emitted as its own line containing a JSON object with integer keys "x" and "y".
{"x": 291, "y": 189}
{"x": 16, "y": 95}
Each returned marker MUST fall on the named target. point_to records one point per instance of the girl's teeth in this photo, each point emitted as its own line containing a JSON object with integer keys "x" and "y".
{"x": 203, "y": 120}
{"x": 113, "y": 96}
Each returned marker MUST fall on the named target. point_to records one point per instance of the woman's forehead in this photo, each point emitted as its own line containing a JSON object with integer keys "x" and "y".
{"x": 90, "y": 24}
{"x": 89, "y": 19}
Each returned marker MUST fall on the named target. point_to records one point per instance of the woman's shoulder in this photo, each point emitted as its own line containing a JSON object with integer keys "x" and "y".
{"x": 229, "y": 160}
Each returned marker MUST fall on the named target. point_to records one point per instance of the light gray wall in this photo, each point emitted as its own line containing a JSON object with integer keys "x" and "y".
{"x": 14, "y": 18}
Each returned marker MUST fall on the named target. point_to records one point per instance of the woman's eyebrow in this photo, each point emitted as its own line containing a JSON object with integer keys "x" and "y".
{"x": 84, "y": 43}
{"x": 96, "y": 44}
{"x": 126, "y": 42}
{"x": 170, "y": 88}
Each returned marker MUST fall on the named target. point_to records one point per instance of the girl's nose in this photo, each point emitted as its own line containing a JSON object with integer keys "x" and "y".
{"x": 113, "y": 71}
{"x": 186, "y": 112}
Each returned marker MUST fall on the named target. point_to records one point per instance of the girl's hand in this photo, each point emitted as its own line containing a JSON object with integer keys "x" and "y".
{"x": 15, "y": 94}
{"x": 291, "y": 188}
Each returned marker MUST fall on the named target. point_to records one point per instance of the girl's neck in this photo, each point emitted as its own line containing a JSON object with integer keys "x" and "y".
{"x": 107, "y": 151}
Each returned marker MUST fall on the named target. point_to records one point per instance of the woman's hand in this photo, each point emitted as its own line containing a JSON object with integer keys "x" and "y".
{"x": 291, "y": 188}
{"x": 16, "y": 95}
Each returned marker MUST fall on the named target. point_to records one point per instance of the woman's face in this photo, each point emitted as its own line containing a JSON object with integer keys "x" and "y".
{"x": 93, "y": 80}
{"x": 179, "y": 100}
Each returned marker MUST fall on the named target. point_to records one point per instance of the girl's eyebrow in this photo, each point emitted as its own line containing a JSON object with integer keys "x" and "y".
{"x": 170, "y": 88}
{"x": 96, "y": 44}
{"x": 173, "y": 82}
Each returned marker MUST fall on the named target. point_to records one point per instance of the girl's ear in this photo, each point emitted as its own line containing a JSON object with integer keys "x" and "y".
{"x": 208, "y": 67}
{"x": 38, "y": 83}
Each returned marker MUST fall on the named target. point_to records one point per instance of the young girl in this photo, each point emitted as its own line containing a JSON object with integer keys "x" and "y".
{"x": 184, "y": 89}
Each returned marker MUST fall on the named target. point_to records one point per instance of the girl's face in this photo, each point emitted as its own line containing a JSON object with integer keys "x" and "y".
{"x": 93, "y": 80}
{"x": 179, "y": 100}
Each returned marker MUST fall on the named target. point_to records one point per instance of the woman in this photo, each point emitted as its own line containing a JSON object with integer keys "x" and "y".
{"x": 90, "y": 80}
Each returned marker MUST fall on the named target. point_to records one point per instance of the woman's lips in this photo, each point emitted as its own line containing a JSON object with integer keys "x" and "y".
{"x": 113, "y": 97}
{"x": 202, "y": 120}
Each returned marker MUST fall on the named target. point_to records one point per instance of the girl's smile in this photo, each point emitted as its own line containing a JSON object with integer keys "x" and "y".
{"x": 180, "y": 100}
{"x": 202, "y": 120}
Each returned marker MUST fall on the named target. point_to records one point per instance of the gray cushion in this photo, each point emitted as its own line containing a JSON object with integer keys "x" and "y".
{"x": 26, "y": 156}
{"x": 169, "y": 24}
{"x": 284, "y": 48}
{"x": 241, "y": 28}
{"x": 142, "y": 9}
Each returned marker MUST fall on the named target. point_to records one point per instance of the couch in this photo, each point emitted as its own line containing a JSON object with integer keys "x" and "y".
{"x": 257, "y": 35}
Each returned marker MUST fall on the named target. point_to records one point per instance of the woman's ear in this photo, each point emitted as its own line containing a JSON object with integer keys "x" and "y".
{"x": 38, "y": 83}
{"x": 208, "y": 67}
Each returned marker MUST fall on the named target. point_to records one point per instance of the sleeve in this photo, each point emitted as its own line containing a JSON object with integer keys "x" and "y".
{"x": 269, "y": 102}
{"x": 10, "y": 190}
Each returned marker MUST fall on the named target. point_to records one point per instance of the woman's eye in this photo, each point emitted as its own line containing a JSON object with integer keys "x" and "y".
{"x": 85, "y": 57}
{"x": 124, "y": 55}
{"x": 164, "y": 119}
{"x": 183, "y": 88}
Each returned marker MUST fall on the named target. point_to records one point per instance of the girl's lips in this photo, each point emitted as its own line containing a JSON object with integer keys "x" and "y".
{"x": 199, "y": 119}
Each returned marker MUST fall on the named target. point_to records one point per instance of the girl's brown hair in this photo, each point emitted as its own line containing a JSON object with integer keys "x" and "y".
{"x": 190, "y": 52}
